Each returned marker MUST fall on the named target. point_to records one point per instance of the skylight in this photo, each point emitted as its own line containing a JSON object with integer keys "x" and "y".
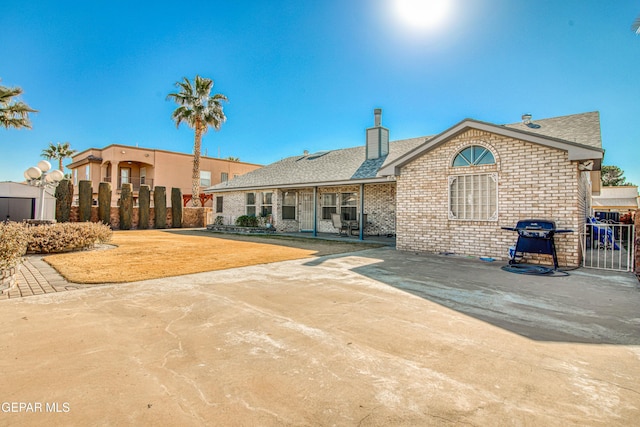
{"x": 317, "y": 155}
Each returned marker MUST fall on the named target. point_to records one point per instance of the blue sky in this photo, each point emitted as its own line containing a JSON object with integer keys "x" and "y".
{"x": 306, "y": 75}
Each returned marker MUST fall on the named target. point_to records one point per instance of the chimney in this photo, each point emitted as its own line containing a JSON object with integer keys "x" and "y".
{"x": 377, "y": 137}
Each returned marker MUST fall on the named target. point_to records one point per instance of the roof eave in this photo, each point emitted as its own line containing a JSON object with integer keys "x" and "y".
{"x": 376, "y": 180}
{"x": 576, "y": 151}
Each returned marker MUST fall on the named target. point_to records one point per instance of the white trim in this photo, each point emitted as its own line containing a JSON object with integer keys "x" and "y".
{"x": 300, "y": 185}
{"x": 451, "y": 178}
{"x": 576, "y": 151}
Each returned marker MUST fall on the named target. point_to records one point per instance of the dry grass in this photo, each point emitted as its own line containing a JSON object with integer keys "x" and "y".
{"x": 152, "y": 254}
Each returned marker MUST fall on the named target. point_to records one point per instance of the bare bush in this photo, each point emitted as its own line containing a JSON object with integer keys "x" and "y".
{"x": 13, "y": 244}
{"x": 66, "y": 237}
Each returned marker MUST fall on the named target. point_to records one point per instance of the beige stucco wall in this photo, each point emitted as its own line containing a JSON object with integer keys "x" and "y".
{"x": 533, "y": 182}
{"x": 163, "y": 168}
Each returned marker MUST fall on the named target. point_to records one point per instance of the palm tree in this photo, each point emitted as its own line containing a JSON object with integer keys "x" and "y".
{"x": 635, "y": 27}
{"x": 58, "y": 151}
{"x": 199, "y": 110}
{"x": 13, "y": 113}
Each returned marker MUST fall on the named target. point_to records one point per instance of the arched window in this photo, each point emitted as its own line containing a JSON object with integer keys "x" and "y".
{"x": 474, "y": 155}
{"x": 473, "y": 196}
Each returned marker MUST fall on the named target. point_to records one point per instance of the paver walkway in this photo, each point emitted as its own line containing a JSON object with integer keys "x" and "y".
{"x": 36, "y": 277}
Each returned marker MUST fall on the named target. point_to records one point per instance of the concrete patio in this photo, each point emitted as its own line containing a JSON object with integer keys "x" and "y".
{"x": 375, "y": 337}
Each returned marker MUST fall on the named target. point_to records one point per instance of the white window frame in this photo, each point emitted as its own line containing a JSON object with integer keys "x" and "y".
{"x": 250, "y": 208}
{"x": 349, "y": 205}
{"x": 205, "y": 178}
{"x": 479, "y": 207}
{"x": 329, "y": 206}
{"x": 266, "y": 207}
{"x": 289, "y": 204}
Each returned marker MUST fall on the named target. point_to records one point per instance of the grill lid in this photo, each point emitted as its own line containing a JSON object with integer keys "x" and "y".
{"x": 536, "y": 224}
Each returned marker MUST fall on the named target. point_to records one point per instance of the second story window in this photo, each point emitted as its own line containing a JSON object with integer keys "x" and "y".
{"x": 224, "y": 177}
{"x": 205, "y": 179}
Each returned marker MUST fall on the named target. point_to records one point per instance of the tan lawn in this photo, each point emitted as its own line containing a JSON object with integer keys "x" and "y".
{"x": 151, "y": 254}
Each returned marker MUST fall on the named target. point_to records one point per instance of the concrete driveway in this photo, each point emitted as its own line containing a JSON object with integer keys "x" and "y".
{"x": 376, "y": 337}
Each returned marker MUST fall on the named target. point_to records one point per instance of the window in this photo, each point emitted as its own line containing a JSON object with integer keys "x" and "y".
{"x": 289, "y": 205}
{"x": 348, "y": 207}
{"x": 218, "y": 204}
{"x": 267, "y": 205}
{"x": 329, "y": 205}
{"x": 473, "y": 156}
{"x": 205, "y": 178}
{"x": 251, "y": 204}
{"x": 224, "y": 177}
{"x": 473, "y": 197}
{"x": 124, "y": 176}
{"x": 87, "y": 172}
{"x": 143, "y": 175}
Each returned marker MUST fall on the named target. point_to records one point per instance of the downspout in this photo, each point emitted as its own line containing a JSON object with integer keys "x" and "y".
{"x": 361, "y": 220}
{"x": 315, "y": 211}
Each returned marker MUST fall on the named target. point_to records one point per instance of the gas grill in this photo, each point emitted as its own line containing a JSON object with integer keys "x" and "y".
{"x": 536, "y": 236}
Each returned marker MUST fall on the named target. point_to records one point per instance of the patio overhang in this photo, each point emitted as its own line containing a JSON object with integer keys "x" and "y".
{"x": 221, "y": 189}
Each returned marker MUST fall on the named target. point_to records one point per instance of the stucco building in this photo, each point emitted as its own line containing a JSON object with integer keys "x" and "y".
{"x": 123, "y": 164}
{"x": 622, "y": 199}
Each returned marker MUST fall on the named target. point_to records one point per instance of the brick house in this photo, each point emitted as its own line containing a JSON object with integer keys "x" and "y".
{"x": 123, "y": 164}
{"x": 452, "y": 192}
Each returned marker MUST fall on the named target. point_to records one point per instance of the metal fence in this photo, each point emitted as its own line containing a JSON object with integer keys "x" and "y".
{"x": 608, "y": 246}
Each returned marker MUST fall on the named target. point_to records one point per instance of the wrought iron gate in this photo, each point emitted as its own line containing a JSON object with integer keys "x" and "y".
{"x": 608, "y": 246}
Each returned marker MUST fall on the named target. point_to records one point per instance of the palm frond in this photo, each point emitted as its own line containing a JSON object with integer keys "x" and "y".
{"x": 13, "y": 113}
{"x": 635, "y": 27}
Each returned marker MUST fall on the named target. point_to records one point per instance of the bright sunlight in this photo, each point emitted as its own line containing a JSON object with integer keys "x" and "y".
{"x": 422, "y": 14}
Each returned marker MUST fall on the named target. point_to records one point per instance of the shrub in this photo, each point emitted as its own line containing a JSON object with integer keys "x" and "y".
{"x": 66, "y": 237}
{"x": 13, "y": 244}
{"x": 247, "y": 221}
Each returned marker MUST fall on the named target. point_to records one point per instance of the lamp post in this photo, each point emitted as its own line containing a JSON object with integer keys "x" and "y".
{"x": 41, "y": 176}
